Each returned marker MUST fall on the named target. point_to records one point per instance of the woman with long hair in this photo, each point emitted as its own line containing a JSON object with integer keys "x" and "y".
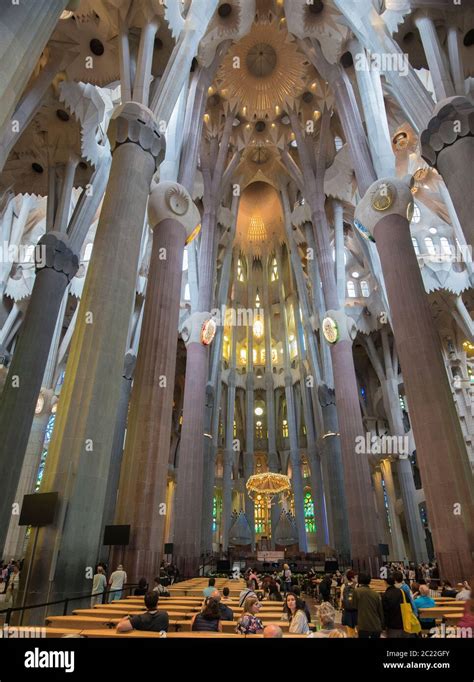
{"x": 293, "y": 611}
{"x": 209, "y": 619}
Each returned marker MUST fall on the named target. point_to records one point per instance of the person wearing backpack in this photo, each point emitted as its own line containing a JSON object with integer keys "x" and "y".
{"x": 346, "y": 603}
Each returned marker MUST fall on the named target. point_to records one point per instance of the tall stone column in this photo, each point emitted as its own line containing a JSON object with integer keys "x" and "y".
{"x": 384, "y": 534}
{"x": 273, "y": 463}
{"x": 447, "y": 144}
{"x": 144, "y": 472}
{"x": 250, "y": 405}
{"x": 437, "y": 62}
{"x": 385, "y": 211}
{"x": 297, "y": 478}
{"x": 188, "y": 501}
{"x": 14, "y": 544}
{"x": 398, "y": 545}
{"x": 229, "y": 445}
{"x": 56, "y": 265}
{"x": 25, "y": 28}
{"x": 119, "y": 436}
{"x": 80, "y": 451}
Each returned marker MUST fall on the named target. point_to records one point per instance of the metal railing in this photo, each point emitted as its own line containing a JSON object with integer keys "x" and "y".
{"x": 8, "y": 611}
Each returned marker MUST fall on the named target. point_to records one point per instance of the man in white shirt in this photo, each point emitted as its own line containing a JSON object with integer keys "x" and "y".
{"x": 116, "y": 582}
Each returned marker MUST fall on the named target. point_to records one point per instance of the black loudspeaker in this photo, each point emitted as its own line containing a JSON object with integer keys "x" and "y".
{"x": 331, "y": 566}
{"x": 117, "y": 535}
{"x": 383, "y": 549}
{"x": 223, "y": 566}
{"x": 38, "y": 509}
{"x": 168, "y": 548}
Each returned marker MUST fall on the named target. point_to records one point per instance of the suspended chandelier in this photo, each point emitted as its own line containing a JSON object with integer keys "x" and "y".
{"x": 268, "y": 484}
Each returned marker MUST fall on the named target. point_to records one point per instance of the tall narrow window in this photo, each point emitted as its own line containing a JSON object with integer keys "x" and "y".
{"x": 430, "y": 246}
{"x": 309, "y": 521}
{"x": 235, "y": 429}
{"x": 187, "y": 293}
{"x": 446, "y": 248}
{"x": 240, "y": 271}
{"x": 284, "y": 428}
{"x": 416, "y": 215}
{"x": 258, "y": 429}
{"x": 274, "y": 275}
{"x": 364, "y": 287}
{"x": 351, "y": 291}
{"x": 259, "y": 512}
{"x": 414, "y": 241}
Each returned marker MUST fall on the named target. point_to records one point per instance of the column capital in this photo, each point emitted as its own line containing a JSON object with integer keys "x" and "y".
{"x": 134, "y": 122}
{"x": 54, "y": 251}
{"x": 198, "y": 328}
{"x": 387, "y": 196}
{"x": 170, "y": 200}
{"x": 453, "y": 118}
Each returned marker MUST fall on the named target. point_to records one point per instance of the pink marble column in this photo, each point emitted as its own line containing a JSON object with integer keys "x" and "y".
{"x": 441, "y": 451}
{"x": 144, "y": 473}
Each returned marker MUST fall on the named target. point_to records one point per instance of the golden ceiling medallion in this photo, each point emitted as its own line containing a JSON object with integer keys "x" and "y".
{"x": 383, "y": 197}
{"x": 264, "y": 70}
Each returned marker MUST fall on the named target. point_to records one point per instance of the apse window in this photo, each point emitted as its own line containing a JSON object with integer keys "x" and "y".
{"x": 351, "y": 291}
{"x": 416, "y": 215}
{"x": 364, "y": 287}
{"x": 414, "y": 241}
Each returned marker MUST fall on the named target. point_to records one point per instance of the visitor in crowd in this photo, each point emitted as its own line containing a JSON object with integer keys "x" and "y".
{"x": 370, "y": 619}
{"x": 274, "y": 593}
{"x": 99, "y": 586}
{"x": 253, "y": 579}
{"x": 249, "y": 624}
{"x": 211, "y": 586}
{"x": 346, "y": 602}
{"x": 160, "y": 588}
{"x": 247, "y": 592}
{"x": 151, "y": 621}
{"x": 286, "y": 576}
{"x": 327, "y": 618}
{"x": 467, "y": 620}
{"x": 433, "y": 589}
{"x": 297, "y": 591}
{"x": 209, "y": 619}
{"x": 424, "y": 601}
{"x": 293, "y": 611}
{"x": 411, "y": 574}
{"x": 325, "y": 588}
{"x": 392, "y": 599}
{"x": 142, "y": 588}
{"x": 225, "y": 612}
{"x": 226, "y": 594}
{"x": 399, "y": 582}
{"x": 272, "y": 631}
{"x": 116, "y": 582}
{"x": 448, "y": 590}
{"x": 13, "y": 586}
{"x": 464, "y": 592}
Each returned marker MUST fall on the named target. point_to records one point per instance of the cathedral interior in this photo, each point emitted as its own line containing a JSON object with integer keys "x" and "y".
{"x": 236, "y": 283}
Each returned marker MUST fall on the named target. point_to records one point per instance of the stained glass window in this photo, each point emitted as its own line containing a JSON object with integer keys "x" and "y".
{"x": 47, "y": 438}
{"x": 285, "y": 428}
{"x": 309, "y": 521}
{"x": 214, "y": 514}
{"x": 259, "y": 515}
